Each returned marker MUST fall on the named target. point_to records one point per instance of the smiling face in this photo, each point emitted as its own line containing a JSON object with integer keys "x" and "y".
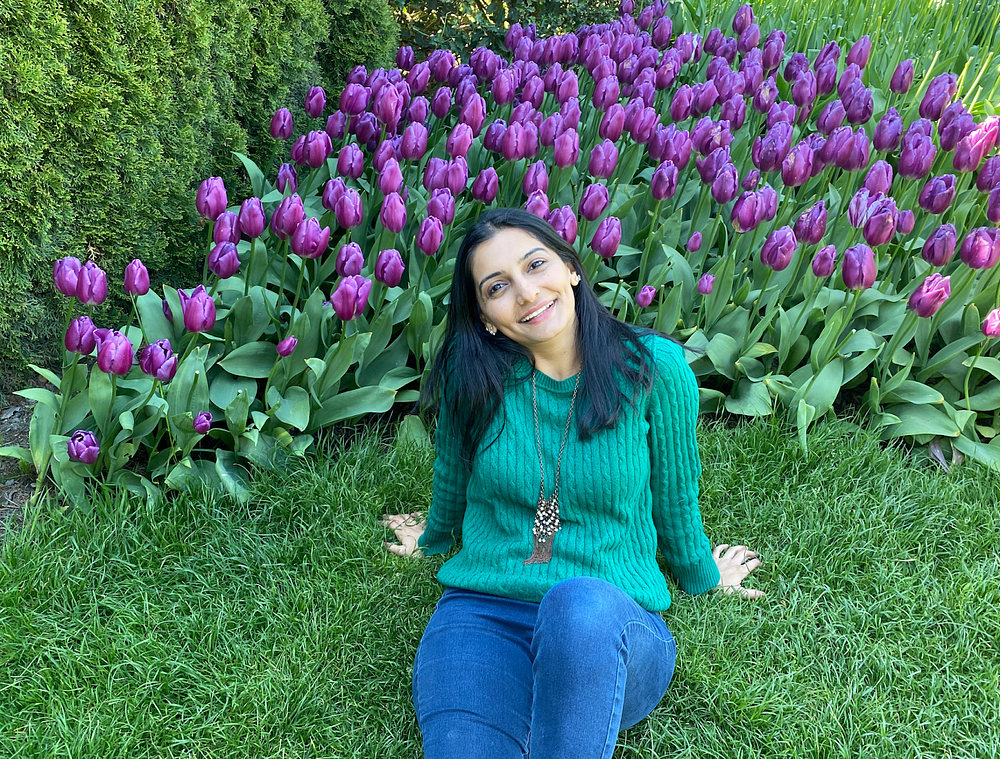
{"x": 515, "y": 275}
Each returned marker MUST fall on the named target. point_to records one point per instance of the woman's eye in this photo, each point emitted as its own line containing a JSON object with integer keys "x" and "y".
{"x": 492, "y": 289}
{"x": 536, "y": 261}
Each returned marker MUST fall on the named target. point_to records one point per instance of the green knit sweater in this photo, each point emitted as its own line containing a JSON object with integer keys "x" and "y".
{"x": 622, "y": 494}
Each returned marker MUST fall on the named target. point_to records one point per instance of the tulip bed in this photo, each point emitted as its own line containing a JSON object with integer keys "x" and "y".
{"x": 711, "y": 186}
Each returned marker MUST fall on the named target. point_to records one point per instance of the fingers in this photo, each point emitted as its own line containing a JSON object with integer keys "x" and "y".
{"x": 717, "y": 551}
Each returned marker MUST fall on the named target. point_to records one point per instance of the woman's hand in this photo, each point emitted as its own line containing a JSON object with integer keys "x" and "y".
{"x": 734, "y": 566}
{"x": 408, "y": 529}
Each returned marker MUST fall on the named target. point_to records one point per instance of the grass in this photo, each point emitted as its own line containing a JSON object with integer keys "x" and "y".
{"x": 282, "y": 629}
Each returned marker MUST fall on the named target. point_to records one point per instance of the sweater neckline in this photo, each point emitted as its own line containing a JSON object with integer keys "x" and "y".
{"x": 560, "y": 387}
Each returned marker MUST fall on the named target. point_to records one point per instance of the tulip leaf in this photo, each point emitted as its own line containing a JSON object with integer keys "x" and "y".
{"x": 232, "y": 476}
{"x": 49, "y": 375}
{"x": 294, "y": 409}
{"x": 253, "y": 360}
{"x": 984, "y": 454}
{"x": 826, "y": 344}
{"x": 723, "y": 351}
{"x": 804, "y": 416}
{"x": 988, "y": 399}
{"x": 17, "y": 452}
{"x": 393, "y": 358}
{"x": 255, "y": 174}
{"x": 682, "y": 275}
{"x": 947, "y": 354}
{"x": 911, "y": 391}
{"x": 411, "y": 430}
{"x": 154, "y": 322}
{"x": 249, "y": 318}
{"x": 860, "y": 340}
{"x": 224, "y": 387}
{"x": 364, "y": 400}
{"x": 919, "y": 420}
{"x": 396, "y": 378}
{"x": 41, "y": 395}
{"x": 749, "y": 399}
{"x": 236, "y": 413}
{"x": 821, "y": 390}
{"x": 986, "y": 363}
{"x": 101, "y": 399}
{"x": 857, "y": 364}
{"x": 710, "y": 401}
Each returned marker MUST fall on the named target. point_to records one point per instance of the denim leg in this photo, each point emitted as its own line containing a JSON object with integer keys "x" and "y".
{"x": 601, "y": 664}
{"x": 472, "y": 677}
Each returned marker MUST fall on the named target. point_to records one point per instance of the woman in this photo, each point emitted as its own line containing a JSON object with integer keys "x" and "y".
{"x": 547, "y": 638}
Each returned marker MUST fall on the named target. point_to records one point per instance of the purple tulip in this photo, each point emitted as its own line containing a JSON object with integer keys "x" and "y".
{"x": 663, "y": 183}
{"x": 485, "y": 188}
{"x": 350, "y": 161}
{"x": 993, "y": 205}
{"x": 441, "y": 63}
{"x": 645, "y": 295}
{"x": 354, "y": 99}
{"x": 286, "y": 346}
{"x": 535, "y": 178}
{"x": 677, "y": 147}
{"x": 955, "y": 124}
{"x": 316, "y": 149}
{"x": 768, "y": 152}
{"x": 694, "y": 243}
{"x": 796, "y": 65}
{"x": 804, "y": 89}
{"x": 937, "y": 194}
{"x": 930, "y": 295}
{"x": 778, "y": 249}
{"x": 939, "y": 94}
{"x": 348, "y": 209}
{"x": 879, "y": 178}
{"x": 389, "y": 267}
{"x": 136, "y": 278}
{"x": 747, "y": 212}
{"x": 880, "y": 222}
{"x": 902, "y": 77}
{"x": 860, "y": 52}
{"x": 726, "y": 184}
{"x": 223, "y": 260}
{"x": 981, "y": 248}
{"x": 414, "y": 143}
{"x": 512, "y": 142}
{"x": 315, "y": 102}
{"x": 158, "y": 361}
{"x": 706, "y": 283}
{"x": 603, "y": 159}
{"x": 167, "y": 312}
{"x": 567, "y": 148}
{"x": 441, "y": 205}
{"x": 310, "y": 239}
{"x": 287, "y": 217}
{"x": 594, "y": 202}
{"x": 709, "y": 167}
{"x": 211, "y": 198}
{"x": 612, "y": 123}
{"x": 332, "y": 192}
{"x": 797, "y": 166}
{"x": 538, "y": 204}
{"x": 680, "y": 106}
{"x": 198, "y": 308}
{"x": 991, "y": 324}
{"x": 826, "y": 78}
{"x": 227, "y": 228}
{"x": 350, "y": 260}
{"x": 825, "y": 261}
{"x": 940, "y": 246}
{"x": 114, "y": 352}
{"x": 752, "y": 179}
{"x": 607, "y": 237}
{"x": 888, "y": 132}
{"x": 336, "y": 125}
{"x": 917, "y": 156}
{"x": 563, "y": 221}
{"x": 973, "y": 148}
{"x": 811, "y": 226}
{"x": 203, "y": 423}
{"x": 404, "y": 58}
{"x": 431, "y": 234}
{"x": 905, "y": 222}
{"x": 252, "y": 218}
{"x": 91, "y": 285}
{"x": 393, "y": 212}
{"x": 351, "y": 297}
{"x": 857, "y": 210}
{"x": 859, "y": 269}
{"x": 418, "y": 77}
{"x": 66, "y": 275}
{"x": 734, "y": 110}
{"x": 989, "y": 174}
{"x": 774, "y": 51}
{"x": 390, "y": 178}
{"x": 473, "y": 114}
{"x": 83, "y": 447}
{"x": 80, "y": 336}
{"x": 606, "y": 92}
{"x": 281, "y": 124}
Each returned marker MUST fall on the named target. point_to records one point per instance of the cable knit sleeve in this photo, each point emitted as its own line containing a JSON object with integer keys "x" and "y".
{"x": 674, "y": 470}
{"x": 448, "y": 499}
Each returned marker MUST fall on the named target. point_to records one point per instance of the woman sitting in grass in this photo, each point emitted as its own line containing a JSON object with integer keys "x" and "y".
{"x": 547, "y": 638}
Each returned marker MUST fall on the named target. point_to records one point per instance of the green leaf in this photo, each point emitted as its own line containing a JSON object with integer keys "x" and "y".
{"x": 41, "y": 395}
{"x": 50, "y": 376}
{"x": 364, "y": 400}
{"x": 985, "y": 454}
{"x": 255, "y": 174}
{"x": 986, "y": 363}
{"x": 822, "y": 391}
{"x": 719, "y": 297}
{"x": 749, "y": 399}
{"x": 254, "y": 360}
{"x": 233, "y": 477}
{"x": 988, "y": 399}
{"x": 826, "y": 344}
{"x": 412, "y": 430}
{"x": 101, "y": 399}
{"x": 294, "y": 411}
{"x": 919, "y": 420}
{"x": 710, "y": 401}
{"x": 225, "y": 387}
{"x": 723, "y": 351}
{"x": 249, "y": 317}
{"x": 804, "y": 416}
{"x": 236, "y": 414}
{"x": 17, "y": 452}
{"x": 913, "y": 392}
{"x": 154, "y": 322}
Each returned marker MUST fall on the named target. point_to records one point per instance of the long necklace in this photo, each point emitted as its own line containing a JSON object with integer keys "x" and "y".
{"x": 547, "y": 522}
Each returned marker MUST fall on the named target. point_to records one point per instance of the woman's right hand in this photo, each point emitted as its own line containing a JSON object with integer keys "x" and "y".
{"x": 408, "y": 529}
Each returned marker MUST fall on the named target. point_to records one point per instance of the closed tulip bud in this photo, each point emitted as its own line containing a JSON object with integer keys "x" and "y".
{"x": 811, "y": 225}
{"x": 734, "y": 111}
{"x": 473, "y": 114}
{"x": 704, "y": 96}
{"x": 315, "y": 102}
{"x": 981, "y": 248}
{"x": 538, "y": 204}
{"x": 752, "y": 179}
{"x": 351, "y": 297}
{"x": 431, "y": 234}
{"x": 530, "y": 139}
{"x": 748, "y": 39}
{"x": 612, "y": 123}
{"x": 778, "y": 249}
{"x": 993, "y": 205}
{"x": 287, "y": 217}
{"x": 485, "y": 188}
{"x": 857, "y": 152}
{"x": 404, "y": 57}
{"x": 281, "y": 124}
{"x": 888, "y": 132}
{"x": 211, "y": 198}
{"x": 726, "y": 184}
{"x": 350, "y": 161}
{"x": 973, "y": 148}
{"x": 416, "y": 111}
{"x": 286, "y": 346}
{"x": 563, "y": 220}
{"x": 551, "y": 128}
{"x": 198, "y": 308}
{"x": 441, "y": 102}
{"x": 296, "y": 151}
{"x": 512, "y": 142}
{"x": 825, "y": 261}
{"x": 859, "y": 269}
{"x": 350, "y": 260}
{"x": 227, "y": 228}
{"x": 114, "y": 352}
{"x": 905, "y": 222}
{"x": 310, "y": 239}
{"x": 223, "y": 261}
{"x": 167, "y": 312}
{"x": 940, "y": 246}
{"x": 390, "y": 179}
{"x": 535, "y": 178}
{"x": 797, "y": 166}
{"x": 796, "y": 65}
{"x": 939, "y": 94}
{"x": 252, "y": 219}
{"x": 384, "y": 152}
{"x": 706, "y": 284}
{"x": 594, "y": 202}
{"x": 91, "y": 285}
{"x": 746, "y": 213}
{"x": 765, "y": 96}
{"x": 804, "y": 89}
{"x": 955, "y": 124}
{"x": 442, "y": 62}
{"x": 336, "y": 125}
{"x": 860, "y": 52}
{"x": 774, "y": 51}
{"x": 203, "y": 423}
{"x": 316, "y": 149}
{"x": 694, "y": 243}
{"x": 701, "y": 136}
{"x": 354, "y": 99}
{"x": 393, "y": 213}
{"x": 83, "y": 447}
{"x": 418, "y": 77}
{"x": 158, "y": 361}
{"x": 902, "y": 77}
{"x": 709, "y": 167}
{"x": 414, "y": 143}
{"x": 859, "y": 103}
{"x": 389, "y": 267}
{"x": 456, "y": 175}
{"x": 567, "y": 87}
{"x": 606, "y": 92}
{"x": 937, "y": 194}
{"x": 768, "y": 152}
{"x": 663, "y": 183}
{"x": 991, "y": 324}
{"x": 607, "y": 237}
{"x": 332, "y": 192}
{"x": 566, "y": 149}
{"x": 917, "y": 156}
{"x": 880, "y": 224}
{"x": 646, "y": 294}
{"x": 503, "y": 88}
{"x": 989, "y": 174}
{"x": 66, "y": 275}
{"x": 879, "y": 178}
{"x": 435, "y": 174}
{"x": 603, "y": 159}
{"x": 930, "y": 295}
{"x": 348, "y": 209}
{"x": 680, "y": 106}
{"x": 80, "y": 336}
{"x": 644, "y": 124}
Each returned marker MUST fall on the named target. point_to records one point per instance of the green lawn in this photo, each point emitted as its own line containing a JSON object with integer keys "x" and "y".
{"x": 284, "y": 630}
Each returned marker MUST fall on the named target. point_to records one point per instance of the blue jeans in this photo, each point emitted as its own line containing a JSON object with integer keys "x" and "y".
{"x": 498, "y": 678}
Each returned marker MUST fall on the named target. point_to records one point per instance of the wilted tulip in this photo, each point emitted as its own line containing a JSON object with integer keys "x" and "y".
{"x": 114, "y": 352}
{"x": 888, "y": 132}
{"x": 607, "y": 237}
{"x": 937, "y": 194}
{"x": 203, "y": 423}
{"x": 389, "y": 267}
{"x": 811, "y": 226}
{"x": 902, "y": 77}
{"x": 991, "y": 324}
{"x": 414, "y": 143}
{"x": 706, "y": 283}
{"x": 663, "y": 183}
{"x": 989, "y": 174}
{"x": 80, "y": 336}
{"x": 351, "y": 297}
{"x": 825, "y": 261}
{"x": 66, "y": 275}
{"x": 158, "y": 361}
{"x": 281, "y": 124}
{"x": 694, "y": 243}
{"x": 645, "y": 295}
{"x": 535, "y": 178}
{"x": 252, "y": 219}
{"x": 315, "y": 102}
{"x": 223, "y": 260}
{"x": 939, "y": 94}
{"x": 91, "y": 285}
{"x": 83, "y": 447}
{"x": 778, "y": 249}
{"x": 211, "y": 198}
{"x": 485, "y": 188}
{"x": 287, "y": 216}
{"x": 859, "y": 269}
{"x": 287, "y": 346}
{"x": 930, "y": 295}
{"x": 310, "y": 239}
{"x": 594, "y": 202}
{"x": 198, "y": 308}
{"x": 538, "y": 204}
{"x": 981, "y": 248}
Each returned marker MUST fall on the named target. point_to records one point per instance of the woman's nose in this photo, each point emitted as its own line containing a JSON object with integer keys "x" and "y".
{"x": 526, "y": 291}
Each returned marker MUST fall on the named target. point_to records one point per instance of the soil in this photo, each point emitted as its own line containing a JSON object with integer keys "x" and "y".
{"x": 16, "y": 487}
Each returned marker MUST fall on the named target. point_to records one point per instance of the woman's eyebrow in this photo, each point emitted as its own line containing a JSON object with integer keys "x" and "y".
{"x": 498, "y": 273}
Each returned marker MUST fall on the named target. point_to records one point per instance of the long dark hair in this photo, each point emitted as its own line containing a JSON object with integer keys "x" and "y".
{"x": 471, "y": 367}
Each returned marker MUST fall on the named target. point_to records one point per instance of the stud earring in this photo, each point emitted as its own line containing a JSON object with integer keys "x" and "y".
{"x": 576, "y": 280}
{"x": 491, "y": 329}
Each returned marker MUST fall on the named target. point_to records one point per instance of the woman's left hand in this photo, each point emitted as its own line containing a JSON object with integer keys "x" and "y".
{"x": 734, "y": 566}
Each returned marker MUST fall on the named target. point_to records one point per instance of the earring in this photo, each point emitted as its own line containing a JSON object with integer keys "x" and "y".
{"x": 491, "y": 329}
{"x": 576, "y": 280}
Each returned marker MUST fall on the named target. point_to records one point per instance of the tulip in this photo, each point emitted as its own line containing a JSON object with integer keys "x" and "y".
{"x": 930, "y": 295}
{"x": 811, "y": 226}
{"x": 923, "y": 127}
{"x": 503, "y": 88}
{"x": 917, "y": 156}
{"x": 991, "y": 324}
{"x": 663, "y": 183}
{"x": 456, "y": 175}
{"x": 351, "y": 297}
{"x": 752, "y": 179}
{"x": 287, "y": 216}
{"x": 594, "y": 202}
{"x": 83, "y": 447}
{"x": 973, "y": 148}
{"x": 938, "y": 193}
{"x": 645, "y": 295}
{"x": 535, "y": 178}
{"x": 332, "y": 192}
{"x": 286, "y": 346}
{"x": 606, "y": 92}
{"x": 774, "y": 51}
{"x": 607, "y": 237}
{"x": 66, "y": 275}
{"x": 316, "y": 149}
{"x": 694, "y": 243}
{"x": 211, "y": 198}
{"x": 734, "y": 111}
{"x": 223, "y": 261}
{"x": 769, "y": 202}
{"x": 563, "y": 220}
{"x": 310, "y": 239}
{"x": 80, "y": 336}
{"x": 485, "y": 188}
{"x": 473, "y": 114}
{"x": 350, "y": 260}
{"x": 393, "y": 212}
{"x": 281, "y": 124}
{"x": 902, "y": 77}
{"x": 768, "y": 152}
{"x": 680, "y": 106}
{"x": 981, "y": 248}
{"x": 955, "y": 124}
{"x": 726, "y": 184}
{"x": 227, "y": 228}
{"x": 551, "y": 128}
{"x": 778, "y": 249}
{"x": 804, "y": 89}
{"x": 538, "y": 204}
{"x": 348, "y": 209}
{"x": 860, "y": 52}
{"x": 989, "y": 175}
{"x": 612, "y": 123}
{"x": 514, "y": 34}
{"x": 940, "y": 246}
{"x": 859, "y": 103}
{"x": 747, "y": 212}
{"x": 441, "y": 63}
{"x": 709, "y": 167}
{"x": 252, "y": 218}
{"x": 879, "y": 178}
{"x": 350, "y": 161}
{"x": 315, "y": 101}
{"x": 796, "y": 65}
{"x": 167, "y": 312}
{"x": 354, "y": 99}
{"x": 797, "y": 166}
{"x": 404, "y": 57}
{"x": 880, "y": 223}
{"x": 390, "y": 178}
{"x": 430, "y": 235}
{"x": 993, "y": 205}
{"x": 706, "y": 284}
{"x": 336, "y": 125}
{"x": 939, "y": 94}
{"x": 136, "y": 278}
{"x": 859, "y": 269}
{"x": 414, "y": 143}
{"x": 512, "y": 142}
{"x": 567, "y": 148}
{"x": 91, "y": 284}
{"x": 825, "y": 261}
{"x": 603, "y": 159}
{"x": 203, "y": 423}
{"x": 389, "y": 267}
{"x": 905, "y": 222}
{"x": 114, "y": 352}
{"x": 158, "y": 361}
{"x": 418, "y": 77}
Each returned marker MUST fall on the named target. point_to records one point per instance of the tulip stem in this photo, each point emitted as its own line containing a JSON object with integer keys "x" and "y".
{"x": 298, "y": 290}
{"x": 246, "y": 274}
{"x": 898, "y": 340}
{"x": 615, "y": 299}
{"x": 420, "y": 281}
{"x": 968, "y": 374}
{"x": 649, "y": 242}
{"x": 204, "y": 268}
